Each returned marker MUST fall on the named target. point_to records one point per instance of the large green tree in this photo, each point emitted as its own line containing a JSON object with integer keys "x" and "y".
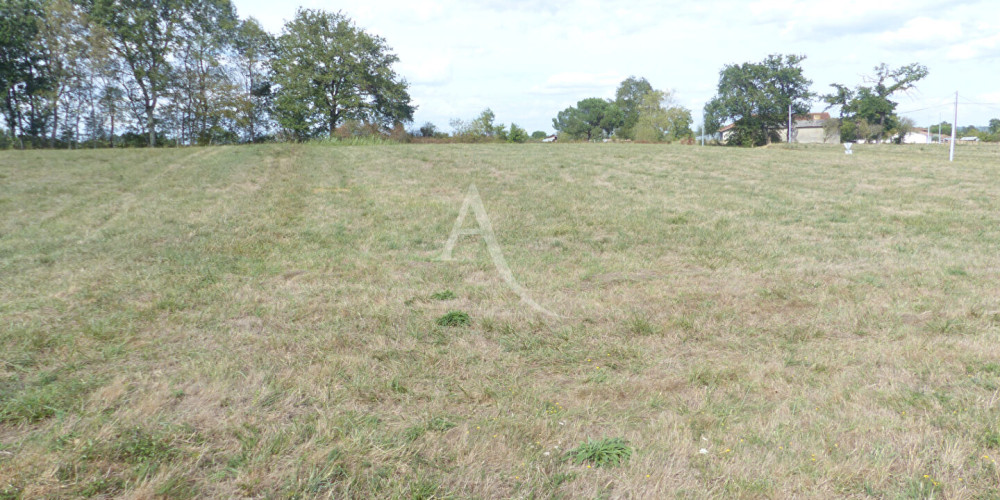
{"x": 872, "y": 103}
{"x": 590, "y": 119}
{"x": 660, "y": 118}
{"x": 254, "y": 49}
{"x": 328, "y": 70}
{"x": 481, "y": 128}
{"x": 203, "y": 94}
{"x": 143, "y": 34}
{"x": 628, "y": 98}
{"x": 756, "y": 98}
{"x": 22, "y": 79}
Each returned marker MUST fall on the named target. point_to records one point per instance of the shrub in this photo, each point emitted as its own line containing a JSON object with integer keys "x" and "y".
{"x": 517, "y": 134}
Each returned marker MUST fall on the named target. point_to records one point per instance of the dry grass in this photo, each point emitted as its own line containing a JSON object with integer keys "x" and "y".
{"x": 259, "y": 322}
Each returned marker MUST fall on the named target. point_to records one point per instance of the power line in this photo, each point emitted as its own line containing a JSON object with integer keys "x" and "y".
{"x": 991, "y": 105}
{"x": 923, "y": 109}
{"x": 970, "y": 101}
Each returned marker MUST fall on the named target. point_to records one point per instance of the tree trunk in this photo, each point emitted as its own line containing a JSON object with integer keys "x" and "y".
{"x": 250, "y": 109}
{"x": 55, "y": 122}
{"x": 150, "y": 126}
{"x": 333, "y": 121}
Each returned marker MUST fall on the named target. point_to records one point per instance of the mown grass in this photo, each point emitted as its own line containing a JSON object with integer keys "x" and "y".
{"x": 261, "y": 321}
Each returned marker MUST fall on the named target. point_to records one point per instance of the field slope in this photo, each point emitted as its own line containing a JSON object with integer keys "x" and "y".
{"x": 263, "y": 321}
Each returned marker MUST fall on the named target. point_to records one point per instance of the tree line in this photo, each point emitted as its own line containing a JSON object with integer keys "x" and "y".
{"x": 756, "y": 97}
{"x": 639, "y": 112}
{"x": 107, "y": 73}
{"x": 99, "y": 73}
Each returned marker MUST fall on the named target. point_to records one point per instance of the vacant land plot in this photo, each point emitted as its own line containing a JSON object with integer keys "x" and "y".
{"x": 275, "y": 321}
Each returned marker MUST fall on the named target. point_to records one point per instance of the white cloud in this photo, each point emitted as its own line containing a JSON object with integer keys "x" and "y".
{"x": 426, "y": 68}
{"x": 527, "y": 60}
{"x": 571, "y": 82}
{"x": 989, "y": 97}
{"x": 975, "y": 49}
{"x": 923, "y": 32}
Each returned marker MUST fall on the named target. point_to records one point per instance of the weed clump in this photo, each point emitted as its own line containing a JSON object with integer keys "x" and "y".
{"x": 445, "y": 295}
{"x": 604, "y": 452}
{"x": 454, "y": 318}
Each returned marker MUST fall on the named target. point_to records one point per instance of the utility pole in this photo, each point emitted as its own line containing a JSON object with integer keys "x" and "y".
{"x": 704, "y": 127}
{"x": 954, "y": 130}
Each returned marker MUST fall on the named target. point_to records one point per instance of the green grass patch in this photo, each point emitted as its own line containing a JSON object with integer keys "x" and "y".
{"x": 444, "y": 295}
{"x": 608, "y": 452}
{"x": 47, "y": 395}
{"x": 263, "y": 321}
{"x": 454, "y": 318}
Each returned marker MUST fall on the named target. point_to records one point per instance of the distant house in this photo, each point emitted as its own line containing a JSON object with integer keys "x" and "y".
{"x": 551, "y": 138}
{"x": 806, "y": 129}
{"x": 917, "y": 136}
{"x": 970, "y": 138}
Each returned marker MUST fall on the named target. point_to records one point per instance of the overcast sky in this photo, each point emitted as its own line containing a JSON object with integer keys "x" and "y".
{"x": 527, "y": 60}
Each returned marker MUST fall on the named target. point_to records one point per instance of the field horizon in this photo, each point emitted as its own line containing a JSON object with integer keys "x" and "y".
{"x": 277, "y": 321}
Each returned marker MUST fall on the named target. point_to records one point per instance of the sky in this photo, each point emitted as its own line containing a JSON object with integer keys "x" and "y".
{"x": 528, "y": 60}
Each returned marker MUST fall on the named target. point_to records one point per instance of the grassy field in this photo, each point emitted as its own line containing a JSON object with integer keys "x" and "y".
{"x": 263, "y": 321}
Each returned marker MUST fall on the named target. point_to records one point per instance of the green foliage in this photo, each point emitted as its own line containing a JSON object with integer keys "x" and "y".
{"x": 995, "y": 126}
{"x": 480, "y": 128}
{"x": 255, "y": 48}
{"x": 428, "y": 129}
{"x": 517, "y": 134}
{"x": 756, "y": 97}
{"x": 445, "y": 295}
{"x": 20, "y": 57}
{"x": 592, "y": 118}
{"x": 50, "y": 394}
{"x": 144, "y": 36}
{"x": 328, "y": 70}
{"x": 605, "y": 452}
{"x": 869, "y": 107}
{"x": 629, "y": 98}
{"x": 538, "y": 135}
{"x": 865, "y": 131}
{"x": 660, "y": 119}
{"x": 454, "y": 318}
{"x": 903, "y": 127}
{"x": 943, "y": 128}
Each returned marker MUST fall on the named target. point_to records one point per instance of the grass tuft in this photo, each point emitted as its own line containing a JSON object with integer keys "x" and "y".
{"x": 605, "y": 452}
{"x": 454, "y": 318}
{"x": 445, "y": 295}
{"x": 440, "y": 424}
